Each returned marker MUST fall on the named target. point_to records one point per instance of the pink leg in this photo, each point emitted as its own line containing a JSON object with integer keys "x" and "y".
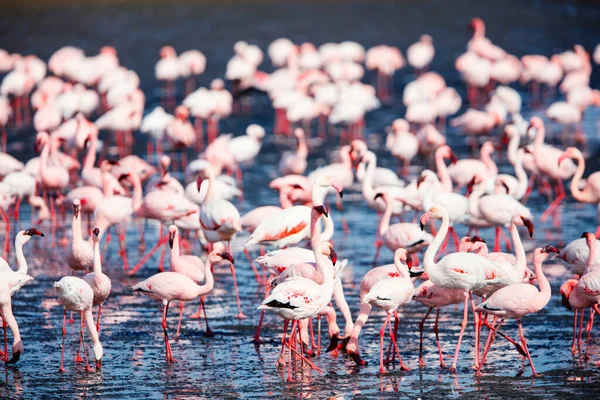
{"x": 98, "y": 321}
{"x": 560, "y": 195}
{"x": 254, "y": 269}
{"x": 4, "y": 326}
{"x": 490, "y": 341}
{"x": 280, "y": 360}
{"x": 78, "y": 358}
{"x": 240, "y": 314}
{"x": 580, "y": 329}
{"x": 437, "y": 338}
{"x": 181, "y": 307}
{"x": 64, "y": 334}
{"x": 292, "y": 336}
{"x": 421, "y": 325}
{"x": 168, "y": 352}
{"x": 208, "y": 332}
{"x": 462, "y": 331}
{"x": 397, "y": 351}
{"x": 573, "y": 343}
{"x": 160, "y": 243}
{"x": 381, "y": 337}
{"x": 497, "y": 239}
{"x": 476, "y": 318}
{"x": 524, "y": 343}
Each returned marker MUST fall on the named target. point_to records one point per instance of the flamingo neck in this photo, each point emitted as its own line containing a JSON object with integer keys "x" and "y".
{"x": 328, "y": 229}
{"x": 521, "y": 177}
{"x": 97, "y": 261}
{"x": 442, "y": 173}
{"x": 541, "y": 278}
{"x": 175, "y": 252}
{"x": 302, "y": 150}
{"x": 326, "y": 269}
{"x": 591, "y": 255}
{"x": 384, "y": 223}
{"x": 209, "y": 281}
{"x": 402, "y": 268}
{"x": 490, "y": 165}
{"x": 11, "y": 322}
{"x": 367, "y": 184}
{"x": 90, "y": 158}
{"x": 513, "y": 148}
{"x": 315, "y": 234}
{"x": 211, "y": 186}
{"x": 540, "y": 137}
{"x": 88, "y": 318}
{"x": 21, "y": 261}
{"x": 429, "y": 264}
{"x": 44, "y": 158}
{"x": 521, "y": 257}
{"x": 474, "y": 200}
{"x": 137, "y": 194}
{"x": 579, "y": 195}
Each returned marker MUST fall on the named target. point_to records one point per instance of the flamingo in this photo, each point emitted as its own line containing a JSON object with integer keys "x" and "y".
{"x": 298, "y": 298}
{"x": 387, "y": 287}
{"x": 98, "y": 281}
{"x": 462, "y": 171}
{"x": 591, "y": 191}
{"x": 400, "y": 235}
{"x": 167, "y": 69}
{"x": 420, "y": 54}
{"x": 76, "y": 295}
{"x": 576, "y": 255}
{"x": 220, "y": 221}
{"x": 466, "y": 271}
{"x": 81, "y": 256}
{"x": 190, "y": 266}
{"x": 168, "y": 286}
{"x": 295, "y": 162}
{"x": 517, "y": 301}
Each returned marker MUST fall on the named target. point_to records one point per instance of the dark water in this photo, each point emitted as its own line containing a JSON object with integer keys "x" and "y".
{"x": 229, "y": 365}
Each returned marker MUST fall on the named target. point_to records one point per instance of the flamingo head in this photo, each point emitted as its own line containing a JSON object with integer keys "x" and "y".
{"x": 255, "y": 131}
{"x": 381, "y": 195}
{"x": 96, "y": 235}
{"x": 76, "y": 207}
{"x": 590, "y": 238}
{"x": 167, "y": 52}
{"x": 40, "y": 141}
{"x": 321, "y": 210}
{"x": 535, "y": 123}
{"x": 550, "y": 249}
{"x": 199, "y": 181}
{"x": 565, "y": 291}
{"x": 501, "y": 185}
{"x": 182, "y": 113}
{"x": 17, "y": 350}
{"x": 172, "y": 234}
{"x": 476, "y": 24}
{"x": 476, "y": 238}
{"x": 226, "y": 256}
{"x": 570, "y": 152}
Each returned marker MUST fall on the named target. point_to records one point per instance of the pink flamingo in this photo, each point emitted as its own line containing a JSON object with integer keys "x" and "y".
{"x": 466, "y": 271}
{"x": 190, "y": 266}
{"x": 180, "y": 132}
{"x": 420, "y": 54}
{"x": 53, "y": 177}
{"x": 387, "y": 287}
{"x": 295, "y": 162}
{"x": 400, "y": 235}
{"x": 81, "y": 256}
{"x": 76, "y": 295}
{"x": 591, "y": 192}
{"x": 546, "y": 159}
{"x": 502, "y": 303}
{"x": 98, "y": 281}
{"x": 298, "y": 298}
{"x": 462, "y": 171}
{"x": 167, "y": 70}
{"x": 168, "y": 286}
{"x": 220, "y": 221}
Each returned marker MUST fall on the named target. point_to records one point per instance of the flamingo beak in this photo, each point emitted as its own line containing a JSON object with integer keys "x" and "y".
{"x": 339, "y": 188}
{"x": 199, "y": 183}
{"x": 453, "y": 158}
{"x": 424, "y": 218}
{"x": 123, "y": 177}
{"x": 505, "y": 186}
{"x": 565, "y": 302}
{"x": 228, "y": 257}
{"x": 529, "y": 225}
{"x": 333, "y": 344}
{"x": 584, "y": 235}
{"x": 76, "y": 210}
{"x": 333, "y": 256}
{"x": 357, "y": 360}
{"x": 378, "y": 195}
{"x": 420, "y": 180}
{"x": 550, "y": 249}
{"x": 409, "y": 261}
{"x": 16, "y": 356}
{"x": 33, "y": 232}
{"x": 415, "y": 274}
{"x": 475, "y": 239}
{"x": 96, "y": 232}
{"x": 98, "y": 365}
{"x": 321, "y": 210}
{"x": 171, "y": 239}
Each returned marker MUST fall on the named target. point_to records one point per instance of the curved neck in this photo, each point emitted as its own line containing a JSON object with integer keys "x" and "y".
{"x": 442, "y": 173}
{"x": 137, "y": 193}
{"x": 328, "y": 229}
{"x": 284, "y": 198}
{"x": 302, "y": 150}
{"x": 513, "y": 148}
{"x": 591, "y": 255}
{"x": 579, "y": 195}
{"x": 540, "y": 136}
{"x": 90, "y": 158}
{"x": 97, "y": 261}
{"x": 44, "y": 158}
{"x": 490, "y": 165}
{"x": 384, "y": 223}
{"x": 521, "y": 257}
{"x": 428, "y": 260}
{"x": 91, "y": 328}
{"x": 107, "y": 188}
{"x": 21, "y": 261}
{"x": 474, "y": 200}
{"x": 326, "y": 269}
{"x": 175, "y": 252}
{"x": 315, "y": 235}
{"x": 367, "y": 184}
{"x": 402, "y": 268}
{"x": 209, "y": 281}
{"x": 521, "y": 177}
{"x": 541, "y": 278}
{"x": 10, "y": 320}
{"x": 210, "y": 190}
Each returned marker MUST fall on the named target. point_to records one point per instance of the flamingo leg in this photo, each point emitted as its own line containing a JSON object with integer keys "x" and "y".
{"x": 312, "y": 336}
{"x": 82, "y": 339}
{"x": 454, "y": 237}
{"x": 123, "y": 248}
{"x": 390, "y": 347}
{"x": 437, "y": 338}
{"x": 378, "y": 244}
{"x": 476, "y": 318}
{"x": 396, "y": 350}
{"x": 240, "y": 314}
{"x": 168, "y": 352}
{"x": 524, "y": 343}
{"x": 580, "y": 329}
{"x": 462, "y": 331}
{"x": 560, "y": 195}
{"x": 588, "y": 329}
{"x": 64, "y": 334}
{"x": 381, "y": 337}
{"x": 98, "y": 321}
{"x": 490, "y": 341}
{"x": 254, "y": 269}
{"x": 574, "y": 341}
{"x": 421, "y": 325}
{"x": 148, "y": 255}
{"x": 280, "y": 360}
{"x": 78, "y": 358}
{"x": 4, "y": 326}
{"x": 497, "y": 239}
{"x": 208, "y": 332}
{"x": 293, "y": 332}
{"x": 257, "y": 338}
{"x": 181, "y": 307}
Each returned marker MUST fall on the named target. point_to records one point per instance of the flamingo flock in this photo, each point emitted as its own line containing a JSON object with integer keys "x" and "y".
{"x": 90, "y": 115}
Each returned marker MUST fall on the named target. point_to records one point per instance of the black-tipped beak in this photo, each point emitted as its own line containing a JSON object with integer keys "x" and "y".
{"x": 199, "y": 183}
{"x": 529, "y": 225}
{"x": 409, "y": 261}
{"x": 565, "y": 302}
{"x": 15, "y": 358}
{"x": 76, "y": 210}
{"x": 333, "y": 256}
{"x": 228, "y": 257}
{"x": 419, "y": 181}
{"x": 333, "y": 344}
{"x": 584, "y": 235}
{"x": 171, "y": 239}
{"x": 321, "y": 209}
{"x": 415, "y": 274}
{"x": 122, "y": 177}
{"x": 453, "y": 158}
{"x": 550, "y": 249}
{"x": 96, "y": 232}
{"x": 505, "y": 186}
{"x": 378, "y": 195}
{"x": 34, "y": 232}
{"x": 475, "y": 239}
{"x": 341, "y": 192}
{"x": 422, "y": 225}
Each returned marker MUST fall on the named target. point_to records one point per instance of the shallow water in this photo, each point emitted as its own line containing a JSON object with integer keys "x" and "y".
{"x": 229, "y": 365}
